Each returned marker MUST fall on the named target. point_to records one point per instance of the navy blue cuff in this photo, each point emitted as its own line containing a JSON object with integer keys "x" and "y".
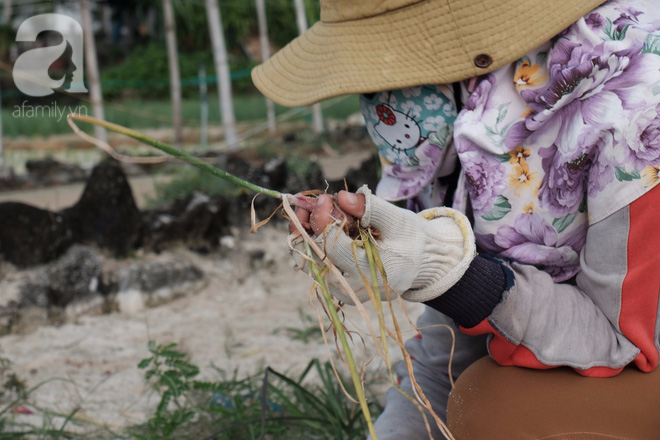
{"x": 475, "y": 295}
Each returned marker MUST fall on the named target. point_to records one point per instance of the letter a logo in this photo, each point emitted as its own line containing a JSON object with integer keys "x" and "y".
{"x": 31, "y": 67}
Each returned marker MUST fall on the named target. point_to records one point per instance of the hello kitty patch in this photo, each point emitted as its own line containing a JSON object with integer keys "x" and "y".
{"x": 412, "y": 128}
{"x": 400, "y": 131}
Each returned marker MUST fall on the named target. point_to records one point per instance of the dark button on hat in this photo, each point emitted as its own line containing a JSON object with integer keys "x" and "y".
{"x": 483, "y": 60}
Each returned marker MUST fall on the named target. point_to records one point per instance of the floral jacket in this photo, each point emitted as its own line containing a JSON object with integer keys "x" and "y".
{"x": 556, "y": 142}
{"x": 559, "y": 157}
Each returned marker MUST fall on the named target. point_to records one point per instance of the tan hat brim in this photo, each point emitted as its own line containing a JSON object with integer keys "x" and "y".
{"x": 428, "y": 42}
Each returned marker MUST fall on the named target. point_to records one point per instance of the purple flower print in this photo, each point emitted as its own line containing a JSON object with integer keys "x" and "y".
{"x": 565, "y": 181}
{"x": 601, "y": 173}
{"x": 528, "y": 228}
{"x": 478, "y": 103}
{"x": 486, "y": 179}
{"x": 640, "y": 138}
{"x": 650, "y": 137}
{"x": 415, "y": 173}
{"x": 595, "y": 21}
{"x": 479, "y": 97}
{"x": 628, "y": 16}
{"x": 531, "y": 240}
{"x": 584, "y": 96}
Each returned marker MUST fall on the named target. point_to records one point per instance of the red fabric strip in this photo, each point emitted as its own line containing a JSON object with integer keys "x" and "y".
{"x": 507, "y": 353}
{"x": 641, "y": 286}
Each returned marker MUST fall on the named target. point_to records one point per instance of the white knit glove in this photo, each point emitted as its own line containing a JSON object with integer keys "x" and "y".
{"x": 423, "y": 254}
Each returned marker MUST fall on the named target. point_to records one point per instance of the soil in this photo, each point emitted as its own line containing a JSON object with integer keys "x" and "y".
{"x": 236, "y": 322}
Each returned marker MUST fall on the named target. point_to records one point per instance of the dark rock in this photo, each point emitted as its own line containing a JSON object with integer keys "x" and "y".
{"x": 203, "y": 221}
{"x": 83, "y": 282}
{"x": 200, "y": 221}
{"x": 106, "y": 214}
{"x": 311, "y": 177}
{"x": 51, "y": 172}
{"x": 9, "y": 180}
{"x": 150, "y": 276}
{"x": 75, "y": 276}
{"x": 35, "y": 290}
{"x": 52, "y": 293}
{"x": 276, "y": 172}
{"x": 195, "y": 221}
{"x": 30, "y": 235}
{"x": 150, "y": 283}
{"x": 244, "y": 169}
{"x": 236, "y": 211}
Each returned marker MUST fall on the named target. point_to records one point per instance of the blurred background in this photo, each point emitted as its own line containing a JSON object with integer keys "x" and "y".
{"x": 147, "y": 69}
{"x": 179, "y": 71}
{"x": 105, "y": 263}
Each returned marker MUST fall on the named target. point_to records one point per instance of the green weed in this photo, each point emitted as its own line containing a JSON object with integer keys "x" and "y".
{"x": 268, "y": 406}
{"x": 310, "y": 330}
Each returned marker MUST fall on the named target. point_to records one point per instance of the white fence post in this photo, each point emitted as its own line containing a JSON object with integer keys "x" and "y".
{"x": 204, "y": 99}
{"x": 222, "y": 73}
{"x": 175, "y": 75}
{"x": 265, "y": 54}
{"x": 92, "y": 69}
{"x": 301, "y": 19}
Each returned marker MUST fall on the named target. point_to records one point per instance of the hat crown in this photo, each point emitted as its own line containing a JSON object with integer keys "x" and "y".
{"x": 344, "y": 10}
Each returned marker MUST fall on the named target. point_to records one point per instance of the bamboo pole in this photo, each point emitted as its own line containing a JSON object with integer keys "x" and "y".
{"x": 301, "y": 20}
{"x": 265, "y": 54}
{"x": 175, "y": 75}
{"x": 91, "y": 62}
{"x": 222, "y": 73}
{"x": 204, "y": 107}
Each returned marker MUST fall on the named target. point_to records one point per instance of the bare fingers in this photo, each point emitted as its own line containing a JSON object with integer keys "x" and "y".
{"x": 351, "y": 203}
{"x": 322, "y": 215}
{"x": 303, "y": 217}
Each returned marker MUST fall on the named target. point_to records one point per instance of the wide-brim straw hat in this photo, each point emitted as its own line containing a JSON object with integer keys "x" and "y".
{"x": 363, "y": 46}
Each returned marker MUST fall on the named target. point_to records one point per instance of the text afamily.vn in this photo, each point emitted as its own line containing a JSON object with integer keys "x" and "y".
{"x": 52, "y": 110}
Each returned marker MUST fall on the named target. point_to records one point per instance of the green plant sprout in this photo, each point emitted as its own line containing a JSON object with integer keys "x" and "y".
{"x": 259, "y": 406}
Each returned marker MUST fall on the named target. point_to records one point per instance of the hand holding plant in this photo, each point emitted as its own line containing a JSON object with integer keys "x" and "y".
{"x": 423, "y": 255}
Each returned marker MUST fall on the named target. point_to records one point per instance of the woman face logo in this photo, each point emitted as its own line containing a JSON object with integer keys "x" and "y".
{"x": 31, "y": 68}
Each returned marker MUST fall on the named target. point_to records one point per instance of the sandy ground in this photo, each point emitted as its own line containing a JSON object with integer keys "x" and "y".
{"x": 235, "y": 322}
{"x": 63, "y": 196}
